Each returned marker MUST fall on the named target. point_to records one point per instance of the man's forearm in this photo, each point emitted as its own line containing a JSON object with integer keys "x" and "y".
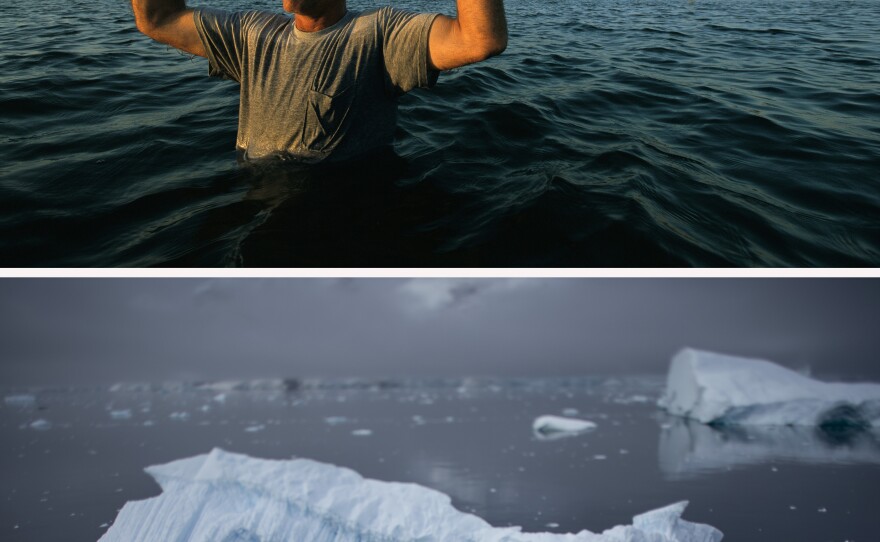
{"x": 483, "y": 21}
{"x": 151, "y": 13}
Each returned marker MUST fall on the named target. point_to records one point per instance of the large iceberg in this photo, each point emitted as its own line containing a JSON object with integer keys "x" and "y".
{"x": 226, "y": 497}
{"x": 728, "y": 390}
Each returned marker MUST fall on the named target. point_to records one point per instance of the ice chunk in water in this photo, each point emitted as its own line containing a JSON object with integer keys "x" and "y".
{"x": 721, "y": 389}
{"x": 41, "y": 424}
{"x": 123, "y": 414}
{"x": 551, "y": 427}
{"x": 225, "y": 497}
{"x": 20, "y": 400}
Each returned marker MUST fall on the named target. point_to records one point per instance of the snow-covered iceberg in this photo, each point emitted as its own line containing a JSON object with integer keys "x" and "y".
{"x": 553, "y": 427}
{"x": 226, "y": 497}
{"x": 721, "y": 389}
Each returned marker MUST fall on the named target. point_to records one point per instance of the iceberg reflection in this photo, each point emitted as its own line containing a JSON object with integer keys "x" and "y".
{"x": 689, "y": 448}
{"x": 226, "y": 497}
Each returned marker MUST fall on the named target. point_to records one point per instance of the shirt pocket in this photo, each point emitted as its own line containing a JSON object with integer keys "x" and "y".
{"x": 328, "y": 112}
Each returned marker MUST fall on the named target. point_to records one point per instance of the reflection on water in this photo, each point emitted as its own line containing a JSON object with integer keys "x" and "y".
{"x": 691, "y": 449}
{"x": 350, "y": 214}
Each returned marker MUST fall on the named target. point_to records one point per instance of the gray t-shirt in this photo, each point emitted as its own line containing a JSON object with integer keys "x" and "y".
{"x": 307, "y": 95}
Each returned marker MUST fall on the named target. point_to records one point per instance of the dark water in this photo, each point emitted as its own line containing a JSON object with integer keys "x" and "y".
{"x": 471, "y": 439}
{"x": 611, "y": 132}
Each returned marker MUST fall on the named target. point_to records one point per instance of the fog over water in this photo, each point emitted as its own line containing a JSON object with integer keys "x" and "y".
{"x": 100, "y": 331}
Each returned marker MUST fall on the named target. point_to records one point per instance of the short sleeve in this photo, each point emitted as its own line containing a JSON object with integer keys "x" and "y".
{"x": 222, "y": 36}
{"x": 405, "y": 47}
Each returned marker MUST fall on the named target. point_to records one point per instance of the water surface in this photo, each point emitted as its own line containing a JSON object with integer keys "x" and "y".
{"x": 610, "y": 133}
{"x": 66, "y": 477}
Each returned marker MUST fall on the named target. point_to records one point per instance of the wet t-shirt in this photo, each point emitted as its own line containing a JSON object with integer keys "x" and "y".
{"x": 310, "y": 95}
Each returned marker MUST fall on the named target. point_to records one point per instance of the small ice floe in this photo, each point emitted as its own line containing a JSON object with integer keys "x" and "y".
{"x": 123, "y": 414}
{"x": 418, "y": 420}
{"x": 570, "y": 412}
{"x": 727, "y": 390}
{"x": 228, "y": 497}
{"x": 258, "y": 384}
{"x": 254, "y": 428}
{"x": 179, "y": 416}
{"x": 41, "y": 424}
{"x": 335, "y": 420}
{"x": 553, "y": 427}
{"x": 219, "y": 398}
{"x": 362, "y": 432}
{"x": 632, "y": 399}
{"x": 21, "y": 400}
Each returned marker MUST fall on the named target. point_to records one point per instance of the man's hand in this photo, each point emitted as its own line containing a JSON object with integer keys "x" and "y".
{"x": 479, "y": 32}
{"x": 168, "y": 22}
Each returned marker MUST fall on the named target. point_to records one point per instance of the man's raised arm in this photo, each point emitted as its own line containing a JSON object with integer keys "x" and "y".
{"x": 479, "y": 31}
{"x": 168, "y": 22}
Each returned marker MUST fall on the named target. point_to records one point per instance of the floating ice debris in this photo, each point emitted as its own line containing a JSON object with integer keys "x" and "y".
{"x": 721, "y": 389}
{"x": 225, "y": 497}
{"x": 180, "y": 416}
{"x": 362, "y": 432}
{"x": 259, "y": 384}
{"x": 628, "y": 400}
{"x": 124, "y": 414}
{"x": 418, "y": 420}
{"x": 41, "y": 424}
{"x": 600, "y": 457}
{"x": 335, "y": 420}
{"x": 254, "y": 428}
{"x": 570, "y": 412}
{"x": 220, "y": 398}
{"x": 552, "y": 427}
{"x": 21, "y": 400}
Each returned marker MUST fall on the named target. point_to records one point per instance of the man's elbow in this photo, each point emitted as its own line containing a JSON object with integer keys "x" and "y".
{"x": 145, "y": 25}
{"x": 489, "y": 47}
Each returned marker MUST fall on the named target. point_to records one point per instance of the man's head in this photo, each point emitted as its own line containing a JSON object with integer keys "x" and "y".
{"x": 312, "y": 8}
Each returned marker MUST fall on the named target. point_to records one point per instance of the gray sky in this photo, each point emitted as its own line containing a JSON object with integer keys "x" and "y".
{"x": 82, "y": 331}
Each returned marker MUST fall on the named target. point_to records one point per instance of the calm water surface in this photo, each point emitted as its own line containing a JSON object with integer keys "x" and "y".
{"x": 66, "y": 478}
{"x": 611, "y": 132}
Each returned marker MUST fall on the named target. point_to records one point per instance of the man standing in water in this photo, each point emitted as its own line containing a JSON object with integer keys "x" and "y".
{"x": 324, "y": 85}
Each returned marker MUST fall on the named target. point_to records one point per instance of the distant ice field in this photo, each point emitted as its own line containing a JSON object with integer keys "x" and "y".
{"x": 71, "y": 458}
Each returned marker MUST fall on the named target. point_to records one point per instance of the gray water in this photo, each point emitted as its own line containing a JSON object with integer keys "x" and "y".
{"x": 614, "y": 132}
{"x": 66, "y": 478}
